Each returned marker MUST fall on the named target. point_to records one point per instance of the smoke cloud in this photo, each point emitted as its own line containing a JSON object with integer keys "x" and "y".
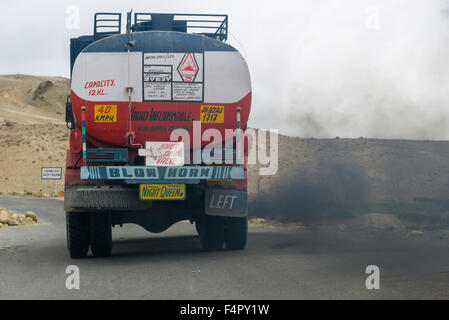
{"x": 337, "y": 192}
{"x": 360, "y": 68}
{"x": 325, "y": 68}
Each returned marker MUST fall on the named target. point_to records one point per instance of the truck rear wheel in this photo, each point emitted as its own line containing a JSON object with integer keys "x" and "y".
{"x": 77, "y": 227}
{"x": 236, "y": 232}
{"x": 211, "y": 232}
{"x": 100, "y": 234}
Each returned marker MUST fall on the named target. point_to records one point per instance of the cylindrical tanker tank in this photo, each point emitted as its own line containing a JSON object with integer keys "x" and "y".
{"x": 134, "y": 96}
{"x": 176, "y": 78}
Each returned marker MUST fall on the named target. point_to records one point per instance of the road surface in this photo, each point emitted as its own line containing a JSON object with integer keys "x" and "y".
{"x": 279, "y": 263}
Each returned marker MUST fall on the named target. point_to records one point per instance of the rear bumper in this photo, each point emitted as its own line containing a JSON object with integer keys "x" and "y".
{"x": 103, "y": 198}
{"x": 220, "y": 189}
{"x": 217, "y": 202}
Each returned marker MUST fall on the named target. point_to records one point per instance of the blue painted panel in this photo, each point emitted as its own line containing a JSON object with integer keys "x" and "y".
{"x": 162, "y": 173}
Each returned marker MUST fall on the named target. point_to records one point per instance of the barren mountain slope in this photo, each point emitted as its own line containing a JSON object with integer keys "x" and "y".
{"x": 32, "y": 130}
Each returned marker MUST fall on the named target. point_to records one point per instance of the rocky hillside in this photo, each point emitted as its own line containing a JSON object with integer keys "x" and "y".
{"x": 29, "y": 99}
{"x": 32, "y": 130}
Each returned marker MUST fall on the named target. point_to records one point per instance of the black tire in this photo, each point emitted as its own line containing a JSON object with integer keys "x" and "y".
{"x": 77, "y": 228}
{"x": 211, "y": 232}
{"x": 236, "y": 233}
{"x": 100, "y": 234}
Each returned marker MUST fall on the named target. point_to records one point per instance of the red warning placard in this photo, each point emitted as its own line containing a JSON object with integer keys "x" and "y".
{"x": 188, "y": 68}
{"x": 175, "y": 76}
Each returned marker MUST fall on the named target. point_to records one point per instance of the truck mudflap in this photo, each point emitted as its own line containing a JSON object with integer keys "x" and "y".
{"x": 229, "y": 203}
{"x": 162, "y": 173}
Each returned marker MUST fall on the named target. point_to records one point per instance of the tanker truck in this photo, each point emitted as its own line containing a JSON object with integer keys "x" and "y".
{"x": 156, "y": 116}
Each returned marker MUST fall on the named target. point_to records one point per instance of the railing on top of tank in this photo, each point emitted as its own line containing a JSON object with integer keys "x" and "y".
{"x": 211, "y": 25}
{"x": 107, "y": 23}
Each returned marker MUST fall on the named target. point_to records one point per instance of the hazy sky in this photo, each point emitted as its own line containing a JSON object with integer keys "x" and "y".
{"x": 322, "y": 68}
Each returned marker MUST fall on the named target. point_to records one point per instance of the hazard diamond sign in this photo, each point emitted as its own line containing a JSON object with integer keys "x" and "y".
{"x": 188, "y": 68}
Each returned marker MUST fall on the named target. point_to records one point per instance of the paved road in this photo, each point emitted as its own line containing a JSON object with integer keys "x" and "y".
{"x": 278, "y": 263}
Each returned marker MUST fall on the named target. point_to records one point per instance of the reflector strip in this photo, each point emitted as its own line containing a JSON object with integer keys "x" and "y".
{"x": 83, "y": 130}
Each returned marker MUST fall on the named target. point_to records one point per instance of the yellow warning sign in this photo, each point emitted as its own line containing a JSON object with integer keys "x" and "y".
{"x": 105, "y": 113}
{"x": 162, "y": 191}
{"x": 212, "y": 114}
